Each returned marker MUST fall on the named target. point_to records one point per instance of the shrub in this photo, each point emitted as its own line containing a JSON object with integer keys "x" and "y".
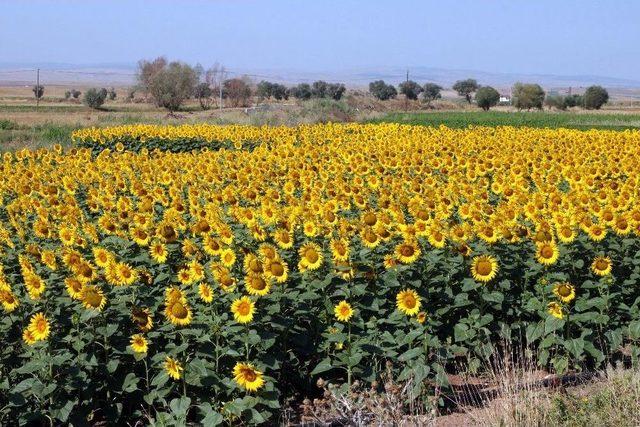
{"x": 301, "y": 91}
{"x": 75, "y": 93}
{"x": 431, "y": 92}
{"x": 487, "y": 97}
{"x": 465, "y": 88}
{"x": 335, "y": 91}
{"x": 67, "y": 95}
{"x": 574, "y": 100}
{"x": 172, "y": 85}
{"x": 38, "y": 91}
{"x": 410, "y": 89}
{"x": 94, "y": 98}
{"x": 556, "y": 101}
{"x": 382, "y": 91}
{"x": 112, "y": 94}
{"x": 595, "y": 97}
{"x": 237, "y": 91}
{"x": 527, "y": 96}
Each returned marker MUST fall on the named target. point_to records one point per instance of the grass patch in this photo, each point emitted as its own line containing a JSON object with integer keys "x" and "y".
{"x": 539, "y": 119}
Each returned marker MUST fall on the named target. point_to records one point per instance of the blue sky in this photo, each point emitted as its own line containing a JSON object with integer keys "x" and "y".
{"x": 520, "y": 36}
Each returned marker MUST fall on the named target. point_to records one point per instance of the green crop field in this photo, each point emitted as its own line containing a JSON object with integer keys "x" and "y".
{"x": 614, "y": 121}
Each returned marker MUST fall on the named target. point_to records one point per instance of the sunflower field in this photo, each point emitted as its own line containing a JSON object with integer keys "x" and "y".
{"x": 212, "y": 274}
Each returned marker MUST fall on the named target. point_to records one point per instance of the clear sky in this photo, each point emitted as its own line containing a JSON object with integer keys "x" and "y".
{"x": 520, "y": 36}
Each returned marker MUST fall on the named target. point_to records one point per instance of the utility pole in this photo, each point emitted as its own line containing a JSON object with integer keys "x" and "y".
{"x": 406, "y": 99}
{"x": 37, "y": 93}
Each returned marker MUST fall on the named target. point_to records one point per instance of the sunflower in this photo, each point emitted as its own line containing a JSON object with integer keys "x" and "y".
{"x": 484, "y": 268}
{"x": 565, "y": 291}
{"x": 407, "y": 252}
{"x": 555, "y": 309}
{"x": 408, "y": 302}
{"x": 102, "y": 257}
{"x": 421, "y": 317}
{"x": 39, "y": 327}
{"x": 227, "y": 257}
{"x": 74, "y": 287}
{"x": 205, "y": 292}
{"x": 48, "y": 258}
{"x": 212, "y": 246}
{"x": 196, "y": 270}
{"x": 547, "y": 253}
{"x": 243, "y": 309}
{"x": 277, "y": 270}
{"x": 257, "y": 285}
{"x": 142, "y": 318}
{"x": 28, "y": 337}
{"x": 92, "y": 297}
{"x": 311, "y": 256}
{"x": 566, "y": 234}
{"x": 8, "y": 300}
{"x": 596, "y": 232}
{"x": 125, "y": 274}
{"x": 252, "y": 264}
{"x": 247, "y": 376}
{"x": 139, "y": 343}
{"x": 390, "y": 262}
{"x": 173, "y": 368}
{"x": 339, "y": 249}
{"x": 343, "y": 311}
{"x": 35, "y": 285}
{"x": 158, "y": 251}
{"x": 283, "y": 238}
{"x": 178, "y": 312}
{"x": 601, "y": 266}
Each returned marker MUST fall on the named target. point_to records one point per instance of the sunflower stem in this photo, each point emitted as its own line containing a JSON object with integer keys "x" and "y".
{"x": 349, "y": 360}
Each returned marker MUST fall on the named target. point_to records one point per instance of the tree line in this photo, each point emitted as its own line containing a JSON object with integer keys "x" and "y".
{"x": 524, "y": 96}
{"x": 170, "y": 84}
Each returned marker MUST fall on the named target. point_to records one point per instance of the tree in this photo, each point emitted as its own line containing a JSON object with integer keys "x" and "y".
{"x": 382, "y": 91}
{"x": 431, "y": 92}
{"x": 410, "y": 89}
{"x": 280, "y": 91}
{"x": 487, "y": 97}
{"x": 112, "y": 94}
{"x": 574, "y": 100}
{"x": 264, "y": 90}
{"x": 595, "y": 97}
{"x": 94, "y": 98}
{"x": 147, "y": 70}
{"x": 302, "y": 91}
{"x": 335, "y": 91}
{"x": 75, "y": 93}
{"x": 203, "y": 93}
{"x": 527, "y": 96}
{"x": 237, "y": 91}
{"x": 319, "y": 89}
{"x": 466, "y": 88}
{"x": 556, "y": 101}
{"x": 38, "y": 91}
{"x": 172, "y": 85}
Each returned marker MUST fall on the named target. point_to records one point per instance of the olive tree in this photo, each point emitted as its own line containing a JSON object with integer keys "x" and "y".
{"x": 595, "y": 97}
{"x": 527, "y": 96}
{"x": 487, "y": 97}
{"x": 382, "y": 91}
{"x": 465, "y": 88}
{"x": 172, "y": 85}
{"x": 431, "y": 92}
{"x": 410, "y": 89}
{"x": 94, "y": 98}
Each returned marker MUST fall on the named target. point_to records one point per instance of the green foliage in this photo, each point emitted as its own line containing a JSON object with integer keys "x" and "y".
{"x": 457, "y": 119}
{"x": 556, "y": 101}
{"x": 322, "y": 89}
{"x": 465, "y": 88}
{"x": 172, "y": 85}
{"x": 203, "y": 94}
{"x": 38, "y": 91}
{"x": 237, "y": 91}
{"x": 527, "y": 96}
{"x": 382, "y": 91}
{"x": 487, "y": 97}
{"x": 410, "y": 89}
{"x": 111, "y": 93}
{"x": 431, "y": 92}
{"x": 94, "y": 98}
{"x": 301, "y": 91}
{"x": 595, "y": 97}
{"x": 574, "y": 100}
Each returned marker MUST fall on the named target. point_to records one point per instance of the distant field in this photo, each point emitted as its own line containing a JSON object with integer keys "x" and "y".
{"x": 533, "y": 119}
